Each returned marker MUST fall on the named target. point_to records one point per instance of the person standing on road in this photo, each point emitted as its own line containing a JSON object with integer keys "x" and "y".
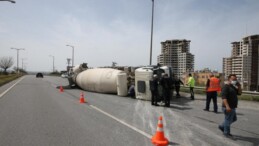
{"x": 212, "y": 87}
{"x": 131, "y": 91}
{"x": 191, "y": 84}
{"x": 172, "y": 86}
{"x": 154, "y": 90}
{"x": 166, "y": 84}
{"x": 229, "y": 104}
{"x": 177, "y": 86}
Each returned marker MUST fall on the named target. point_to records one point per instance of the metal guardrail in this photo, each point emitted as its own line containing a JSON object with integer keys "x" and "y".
{"x": 243, "y": 92}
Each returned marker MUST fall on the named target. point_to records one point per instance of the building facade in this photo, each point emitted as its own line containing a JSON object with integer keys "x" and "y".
{"x": 244, "y": 62}
{"x": 176, "y": 54}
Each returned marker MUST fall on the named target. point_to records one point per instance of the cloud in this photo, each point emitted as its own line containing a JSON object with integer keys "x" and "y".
{"x": 210, "y": 25}
{"x": 119, "y": 30}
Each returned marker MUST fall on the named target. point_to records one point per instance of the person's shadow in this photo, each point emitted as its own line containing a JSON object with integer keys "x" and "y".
{"x": 173, "y": 143}
{"x": 252, "y": 140}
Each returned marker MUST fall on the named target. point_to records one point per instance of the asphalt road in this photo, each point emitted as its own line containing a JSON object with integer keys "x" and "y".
{"x": 34, "y": 112}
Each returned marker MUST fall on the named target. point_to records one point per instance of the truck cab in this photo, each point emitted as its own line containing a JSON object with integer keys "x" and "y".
{"x": 144, "y": 75}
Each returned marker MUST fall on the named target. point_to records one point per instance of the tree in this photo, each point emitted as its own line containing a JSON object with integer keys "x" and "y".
{"x": 6, "y": 62}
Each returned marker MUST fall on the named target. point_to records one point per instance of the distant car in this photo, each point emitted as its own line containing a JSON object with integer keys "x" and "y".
{"x": 65, "y": 75}
{"x": 39, "y": 75}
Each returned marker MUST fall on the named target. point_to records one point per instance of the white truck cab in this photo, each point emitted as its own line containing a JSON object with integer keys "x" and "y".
{"x": 144, "y": 75}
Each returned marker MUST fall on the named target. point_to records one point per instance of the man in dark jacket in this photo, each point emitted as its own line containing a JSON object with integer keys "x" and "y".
{"x": 177, "y": 84}
{"x": 154, "y": 90}
{"x": 131, "y": 91}
{"x": 229, "y": 96}
{"x": 166, "y": 83}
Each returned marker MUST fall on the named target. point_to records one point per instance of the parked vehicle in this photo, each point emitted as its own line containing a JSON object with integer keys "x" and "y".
{"x": 64, "y": 75}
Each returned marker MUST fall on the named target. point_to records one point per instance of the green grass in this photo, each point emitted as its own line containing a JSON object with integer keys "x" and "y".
{"x": 241, "y": 97}
{"x": 8, "y": 78}
{"x": 249, "y": 97}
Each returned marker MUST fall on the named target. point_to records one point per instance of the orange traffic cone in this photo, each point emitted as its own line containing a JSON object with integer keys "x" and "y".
{"x": 61, "y": 89}
{"x": 82, "y": 99}
{"x": 159, "y": 139}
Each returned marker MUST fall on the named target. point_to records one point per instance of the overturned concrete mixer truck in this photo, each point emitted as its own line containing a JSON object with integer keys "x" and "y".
{"x": 108, "y": 80}
{"x": 102, "y": 80}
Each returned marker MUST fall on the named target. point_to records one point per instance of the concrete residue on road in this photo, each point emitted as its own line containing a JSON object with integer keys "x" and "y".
{"x": 190, "y": 133}
{"x": 149, "y": 117}
{"x": 177, "y": 129}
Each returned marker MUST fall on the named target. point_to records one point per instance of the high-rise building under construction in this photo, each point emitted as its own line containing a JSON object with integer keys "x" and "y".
{"x": 244, "y": 62}
{"x": 176, "y": 54}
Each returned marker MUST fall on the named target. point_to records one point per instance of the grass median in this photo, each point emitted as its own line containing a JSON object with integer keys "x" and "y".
{"x": 8, "y": 78}
{"x": 248, "y": 97}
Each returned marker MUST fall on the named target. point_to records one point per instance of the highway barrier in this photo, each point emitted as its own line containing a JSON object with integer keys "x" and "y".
{"x": 243, "y": 92}
{"x": 246, "y": 95}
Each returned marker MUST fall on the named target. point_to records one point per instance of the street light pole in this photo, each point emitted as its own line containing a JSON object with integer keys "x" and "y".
{"x": 53, "y": 57}
{"x": 22, "y": 62}
{"x": 12, "y": 1}
{"x": 68, "y": 61}
{"x": 18, "y": 49}
{"x": 72, "y": 54}
{"x": 151, "y": 42}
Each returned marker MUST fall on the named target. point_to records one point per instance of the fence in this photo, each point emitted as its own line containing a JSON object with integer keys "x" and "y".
{"x": 202, "y": 89}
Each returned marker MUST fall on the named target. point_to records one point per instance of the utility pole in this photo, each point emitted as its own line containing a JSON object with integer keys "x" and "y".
{"x": 151, "y": 42}
{"x": 68, "y": 64}
{"x": 53, "y": 57}
{"x": 68, "y": 61}
{"x": 18, "y": 49}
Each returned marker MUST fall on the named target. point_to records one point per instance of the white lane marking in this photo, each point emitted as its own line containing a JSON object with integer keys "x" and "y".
{"x": 2, "y": 94}
{"x": 122, "y": 122}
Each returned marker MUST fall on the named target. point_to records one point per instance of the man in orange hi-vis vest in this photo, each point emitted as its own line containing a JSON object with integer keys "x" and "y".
{"x": 212, "y": 87}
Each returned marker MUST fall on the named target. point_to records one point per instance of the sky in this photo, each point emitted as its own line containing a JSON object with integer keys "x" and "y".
{"x": 106, "y": 31}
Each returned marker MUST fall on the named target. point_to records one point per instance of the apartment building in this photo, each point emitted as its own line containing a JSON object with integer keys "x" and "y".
{"x": 244, "y": 62}
{"x": 176, "y": 54}
{"x": 227, "y": 66}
